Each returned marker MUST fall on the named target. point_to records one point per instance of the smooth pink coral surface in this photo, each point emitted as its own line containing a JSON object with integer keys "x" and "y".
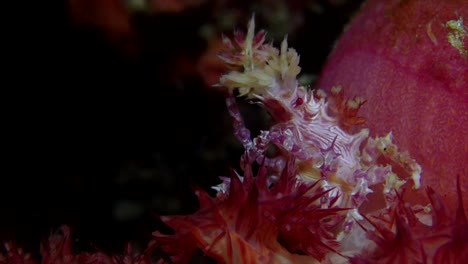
{"x": 409, "y": 60}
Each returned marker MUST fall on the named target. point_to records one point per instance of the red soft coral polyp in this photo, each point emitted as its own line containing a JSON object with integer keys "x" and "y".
{"x": 403, "y": 236}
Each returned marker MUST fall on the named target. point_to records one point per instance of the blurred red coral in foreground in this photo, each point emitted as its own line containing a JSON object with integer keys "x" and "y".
{"x": 15, "y": 255}
{"x": 244, "y": 225}
{"x": 57, "y": 249}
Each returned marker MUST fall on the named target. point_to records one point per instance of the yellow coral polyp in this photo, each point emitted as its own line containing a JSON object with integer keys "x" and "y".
{"x": 264, "y": 67}
{"x": 457, "y": 35}
{"x": 390, "y": 150}
{"x": 288, "y": 64}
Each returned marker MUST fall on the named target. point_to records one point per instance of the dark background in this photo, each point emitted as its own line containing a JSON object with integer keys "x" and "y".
{"x": 102, "y": 129}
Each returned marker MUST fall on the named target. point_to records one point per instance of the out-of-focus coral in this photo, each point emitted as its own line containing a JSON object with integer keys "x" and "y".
{"x": 110, "y": 15}
{"x": 16, "y": 255}
{"x": 209, "y": 66}
{"x": 173, "y": 6}
{"x": 57, "y": 249}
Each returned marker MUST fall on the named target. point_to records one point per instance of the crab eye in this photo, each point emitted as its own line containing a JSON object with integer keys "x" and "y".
{"x": 299, "y": 101}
